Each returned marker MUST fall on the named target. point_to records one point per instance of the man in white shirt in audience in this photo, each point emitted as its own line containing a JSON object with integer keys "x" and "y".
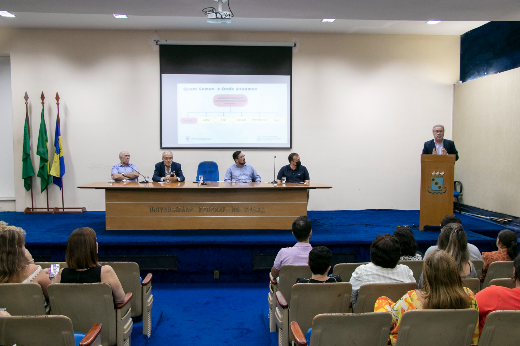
{"x": 299, "y": 253}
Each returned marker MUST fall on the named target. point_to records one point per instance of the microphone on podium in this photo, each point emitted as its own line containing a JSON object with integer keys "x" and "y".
{"x": 274, "y": 171}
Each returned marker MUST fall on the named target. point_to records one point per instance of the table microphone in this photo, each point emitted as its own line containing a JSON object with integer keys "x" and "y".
{"x": 274, "y": 171}
{"x": 145, "y": 180}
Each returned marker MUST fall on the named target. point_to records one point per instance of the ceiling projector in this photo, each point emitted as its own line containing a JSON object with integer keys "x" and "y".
{"x": 217, "y": 15}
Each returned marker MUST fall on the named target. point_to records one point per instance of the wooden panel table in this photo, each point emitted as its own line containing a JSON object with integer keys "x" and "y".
{"x": 217, "y": 205}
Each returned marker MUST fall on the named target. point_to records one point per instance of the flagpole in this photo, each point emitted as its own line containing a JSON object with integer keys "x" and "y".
{"x": 26, "y": 98}
{"x": 69, "y": 209}
{"x": 42, "y": 97}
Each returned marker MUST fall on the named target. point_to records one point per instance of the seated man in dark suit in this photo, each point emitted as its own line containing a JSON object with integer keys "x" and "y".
{"x": 167, "y": 170}
{"x": 439, "y": 145}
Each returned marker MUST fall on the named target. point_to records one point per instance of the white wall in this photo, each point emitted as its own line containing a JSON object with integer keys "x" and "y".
{"x": 362, "y": 107}
{"x": 487, "y": 129}
{"x": 6, "y": 134}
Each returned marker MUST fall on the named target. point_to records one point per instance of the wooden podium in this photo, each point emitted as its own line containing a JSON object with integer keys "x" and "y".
{"x": 437, "y": 176}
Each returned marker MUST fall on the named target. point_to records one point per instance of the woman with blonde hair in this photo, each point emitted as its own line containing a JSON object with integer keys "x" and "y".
{"x": 442, "y": 290}
{"x": 14, "y": 265}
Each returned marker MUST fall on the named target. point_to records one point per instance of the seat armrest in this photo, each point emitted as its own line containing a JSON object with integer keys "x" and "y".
{"x": 273, "y": 280}
{"x": 128, "y": 297}
{"x": 281, "y": 300}
{"x": 147, "y": 279}
{"x": 91, "y": 336}
{"x": 299, "y": 338}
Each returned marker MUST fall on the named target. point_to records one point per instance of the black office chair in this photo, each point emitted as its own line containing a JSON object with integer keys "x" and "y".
{"x": 457, "y": 193}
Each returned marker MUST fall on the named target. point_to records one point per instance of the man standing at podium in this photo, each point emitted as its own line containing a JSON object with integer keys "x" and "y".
{"x": 240, "y": 171}
{"x": 167, "y": 170}
{"x": 124, "y": 170}
{"x": 440, "y": 146}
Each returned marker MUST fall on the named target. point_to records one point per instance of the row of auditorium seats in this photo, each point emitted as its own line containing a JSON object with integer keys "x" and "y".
{"x": 445, "y": 327}
{"x": 87, "y": 304}
{"x": 292, "y": 302}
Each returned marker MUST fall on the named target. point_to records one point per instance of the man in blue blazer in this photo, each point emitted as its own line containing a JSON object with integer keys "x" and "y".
{"x": 167, "y": 169}
{"x": 440, "y": 146}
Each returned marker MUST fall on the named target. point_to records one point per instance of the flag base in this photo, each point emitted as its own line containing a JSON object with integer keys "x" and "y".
{"x": 70, "y": 210}
{"x": 39, "y": 210}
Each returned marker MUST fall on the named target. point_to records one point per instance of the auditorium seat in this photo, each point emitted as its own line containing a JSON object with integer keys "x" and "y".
{"x": 142, "y": 300}
{"x": 22, "y": 299}
{"x": 371, "y": 328}
{"x": 457, "y": 193}
{"x": 472, "y": 283}
{"x": 479, "y": 264}
{"x": 345, "y": 270}
{"x": 209, "y": 171}
{"x": 87, "y": 304}
{"x": 46, "y": 265}
{"x": 307, "y": 301}
{"x": 509, "y": 283}
{"x": 369, "y": 293}
{"x": 415, "y": 266}
{"x": 286, "y": 279}
{"x": 498, "y": 270}
{"x": 437, "y": 327}
{"x": 501, "y": 329}
{"x": 44, "y": 331}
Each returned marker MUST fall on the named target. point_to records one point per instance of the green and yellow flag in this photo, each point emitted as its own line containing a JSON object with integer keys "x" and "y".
{"x": 43, "y": 152}
{"x": 27, "y": 167}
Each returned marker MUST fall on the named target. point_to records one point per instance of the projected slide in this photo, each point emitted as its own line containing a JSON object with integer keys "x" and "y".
{"x": 214, "y": 111}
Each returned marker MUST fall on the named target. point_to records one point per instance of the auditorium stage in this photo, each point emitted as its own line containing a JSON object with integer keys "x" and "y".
{"x": 238, "y": 255}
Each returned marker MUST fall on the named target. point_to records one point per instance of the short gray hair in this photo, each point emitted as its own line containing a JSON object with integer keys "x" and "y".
{"x": 121, "y": 154}
{"x": 438, "y": 126}
{"x": 165, "y": 152}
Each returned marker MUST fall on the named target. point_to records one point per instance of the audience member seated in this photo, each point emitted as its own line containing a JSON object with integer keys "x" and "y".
{"x": 407, "y": 243}
{"x": 442, "y": 290}
{"x": 474, "y": 252}
{"x": 15, "y": 267}
{"x": 507, "y": 251}
{"x": 495, "y": 298}
{"x": 83, "y": 266}
{"x": 299, "y": 253}
{"x": 385, "y": 252}
{"x": 454, "y": 241}
{"x": 320, "y": 259}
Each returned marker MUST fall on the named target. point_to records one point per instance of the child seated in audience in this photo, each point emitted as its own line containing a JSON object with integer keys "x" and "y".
{"x": 495, "y": 298}
{"x": 408, "y": 244}
{"x": 507, "y": 251}
{"x": 320, "y": 259}
{"x": 442, "y": 290}
{"x": 83, "y": 266}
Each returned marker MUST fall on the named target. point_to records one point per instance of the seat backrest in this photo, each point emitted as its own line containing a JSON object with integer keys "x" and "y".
{"x": 501, "y": 329}
{"x": 209, "y": 171}
{"x": 479, "y": 264}
{"x": 369, "y": 293}
{"x": 345, "y": 270}
{"x": 45, "y": 265}
{"x": 371, "y": 329}
{"x": 129, "y": 275}
{"x": 509, "y": 283}
{"x": 287, "y": 278}
{"x": 425, "y": 327}
{"x": 86, "y": 305}
{"x": 472, "y": 283}
{"x": 36, "y": 330}
{"x": 498, "y": 270}
{"x": 309, "y": 300}
{"x": 22, "y": 299}
{"x": 415, "y": 266}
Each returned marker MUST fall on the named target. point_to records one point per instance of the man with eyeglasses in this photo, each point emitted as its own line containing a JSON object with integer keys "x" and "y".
{"x": 124, "y": 170}
{"x": 241, "y": 172}
{"x": 167, "y": 170}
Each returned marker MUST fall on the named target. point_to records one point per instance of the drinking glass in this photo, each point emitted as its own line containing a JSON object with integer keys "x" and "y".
{"x": 201, "y": 178}
{"x": 284, "y": 179}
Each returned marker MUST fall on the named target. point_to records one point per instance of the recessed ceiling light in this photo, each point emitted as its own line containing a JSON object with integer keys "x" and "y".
{"x": 120, "y": 16}
{"x": 328, "y": 20}
{"x": 433, "y": 22}
{"x": 6, "y": 14}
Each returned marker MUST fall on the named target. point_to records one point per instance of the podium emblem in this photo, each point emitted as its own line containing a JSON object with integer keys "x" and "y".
{"x": 437, "y": 183}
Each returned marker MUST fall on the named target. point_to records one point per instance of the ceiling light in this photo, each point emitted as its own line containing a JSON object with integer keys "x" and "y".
{"x": 6, "y": 14}
{"x": 120, "y": 16}
{"x": 328, "y": 20}
{"x": 433, "y": 22}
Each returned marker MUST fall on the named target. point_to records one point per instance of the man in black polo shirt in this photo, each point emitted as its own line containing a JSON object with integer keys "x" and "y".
{"x": 294, "y": 172}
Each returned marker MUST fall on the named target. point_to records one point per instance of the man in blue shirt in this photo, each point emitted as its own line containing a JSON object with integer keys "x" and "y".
{"x": 124, "y": 170}
{"x": 240, "y": 171}
{"x": 294, "y": 172}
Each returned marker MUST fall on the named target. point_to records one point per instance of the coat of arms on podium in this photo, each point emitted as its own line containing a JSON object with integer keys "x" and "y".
{"x": 437, "y": 183}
